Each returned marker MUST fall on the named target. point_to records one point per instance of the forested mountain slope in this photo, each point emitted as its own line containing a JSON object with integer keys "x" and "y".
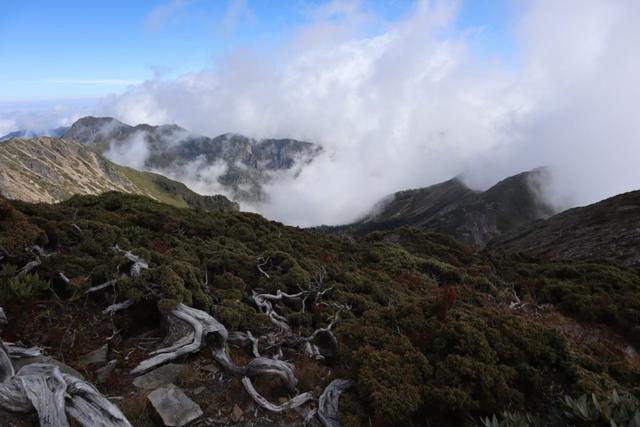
{"x": 429, "y": 331}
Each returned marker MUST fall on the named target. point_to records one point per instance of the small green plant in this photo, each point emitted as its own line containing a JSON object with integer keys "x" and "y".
{"x": 614, "y": 410}
{"x": 15, "y": 286}
{"x": 508, "y": 419}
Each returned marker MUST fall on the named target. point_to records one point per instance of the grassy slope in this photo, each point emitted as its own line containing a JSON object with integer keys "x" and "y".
{"x": 430, "y": 339}
{"x": 148, "y": 182}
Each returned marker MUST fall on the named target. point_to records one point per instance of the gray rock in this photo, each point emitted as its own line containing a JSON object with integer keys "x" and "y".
{"x": 66, "y": 369}
{"x": 173, "y": 407}
{"x": 96, "y": 357}
{"x": 3, "y": 317}
{"x": 165, "y": 374}
{"x": 104, "y": 372}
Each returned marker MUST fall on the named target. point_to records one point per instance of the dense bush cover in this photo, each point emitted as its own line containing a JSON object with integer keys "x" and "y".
{"x": 430, "y": 339}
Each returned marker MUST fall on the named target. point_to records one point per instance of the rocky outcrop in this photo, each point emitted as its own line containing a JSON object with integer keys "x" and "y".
{"x": 244, "y": 164}
{"x": 163, "y": 375}
{"x": 474, "y": 217}
{"x": 50, "y": 170}
{"x": 608, "y": 230}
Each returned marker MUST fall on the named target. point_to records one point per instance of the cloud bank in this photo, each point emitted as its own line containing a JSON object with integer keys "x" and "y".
{"x": 413, "y": 104}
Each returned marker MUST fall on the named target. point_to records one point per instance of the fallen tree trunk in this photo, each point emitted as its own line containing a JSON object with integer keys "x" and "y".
{"x": 41, "y": 387}
{"x": 90, "y": 408}
{"x": 201, "y": 324}
{"x": 328, "y": 413}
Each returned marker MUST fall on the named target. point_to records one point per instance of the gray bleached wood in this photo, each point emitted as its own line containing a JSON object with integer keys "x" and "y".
{"x": 201, "y": 323}
{"x": 43, "y": 387}
{"x": 295, "y": 402}
{"x": 329, "y": 399}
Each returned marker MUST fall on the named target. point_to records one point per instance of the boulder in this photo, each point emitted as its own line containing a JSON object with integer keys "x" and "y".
{"x": 96, "y": 357}
{"x": 173, "y": 407}
{"x": 163, "y": 375}
{"x": 104, "y": 373}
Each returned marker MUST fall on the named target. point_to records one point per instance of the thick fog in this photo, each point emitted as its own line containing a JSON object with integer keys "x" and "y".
{"x": 415, "y": 103}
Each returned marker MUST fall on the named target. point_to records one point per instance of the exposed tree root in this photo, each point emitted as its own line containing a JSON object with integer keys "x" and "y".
{"x": 295, "y": 402}
{"x": 43, "y": 388}
{"x": 201, "y": 324}
{"x": 329, "y": 399}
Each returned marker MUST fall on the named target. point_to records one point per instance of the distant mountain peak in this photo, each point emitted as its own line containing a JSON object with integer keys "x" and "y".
{"x": 451, "y": 207}
{"x": 250, "y": 163}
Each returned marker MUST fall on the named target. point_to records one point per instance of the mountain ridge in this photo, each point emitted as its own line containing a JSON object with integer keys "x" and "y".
{"x": 46, "y": 169}
{"x": 608, "y": 230}
{"x": 248, "y": 163}
{"x": 451, "y": 207}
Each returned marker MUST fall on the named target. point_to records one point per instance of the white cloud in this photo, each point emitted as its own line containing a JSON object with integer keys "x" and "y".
{"x": 7, "y": 125}
{"x": 164, "y": 13}
{"x": 236, "y": 11}
{"x": 133, "y": 152}
{"x": 410, "y": 106}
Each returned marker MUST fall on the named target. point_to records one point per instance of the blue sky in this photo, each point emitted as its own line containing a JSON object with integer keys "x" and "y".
{"x": 69, "y": 49}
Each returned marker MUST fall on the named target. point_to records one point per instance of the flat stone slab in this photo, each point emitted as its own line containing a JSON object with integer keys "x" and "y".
{"x": 173, "y": 407}
{"x": 165, "y": 374}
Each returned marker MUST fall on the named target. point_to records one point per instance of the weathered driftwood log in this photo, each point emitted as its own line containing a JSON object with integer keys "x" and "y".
{"x": 90, "y": 408}
{"x": 41, "y": 387}
{"x": 16, "y": 351}
{"x": 328, "y": 413}
{"x": 295, "y": 402}
{"x": 45, "y": 388}
{"x": 201, "y": 324}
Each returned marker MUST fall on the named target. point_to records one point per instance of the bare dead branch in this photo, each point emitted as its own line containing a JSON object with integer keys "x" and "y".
{"x": 100, "y": 287}
{"x": 139, "y": 264}
{"x": 114, "y": 308}
{"x": 261, "y": 261}
{"x": 31, "y": 265}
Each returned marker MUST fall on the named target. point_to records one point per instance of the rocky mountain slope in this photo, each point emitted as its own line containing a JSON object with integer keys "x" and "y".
{"x": 246, "y": 164}
{"x": 608, "y": 230}
{"x": 51, "y": 170}
{"x": 452, "y": 208}
{"x": 56, "y": 133}
{"x": 256, "y": 323}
